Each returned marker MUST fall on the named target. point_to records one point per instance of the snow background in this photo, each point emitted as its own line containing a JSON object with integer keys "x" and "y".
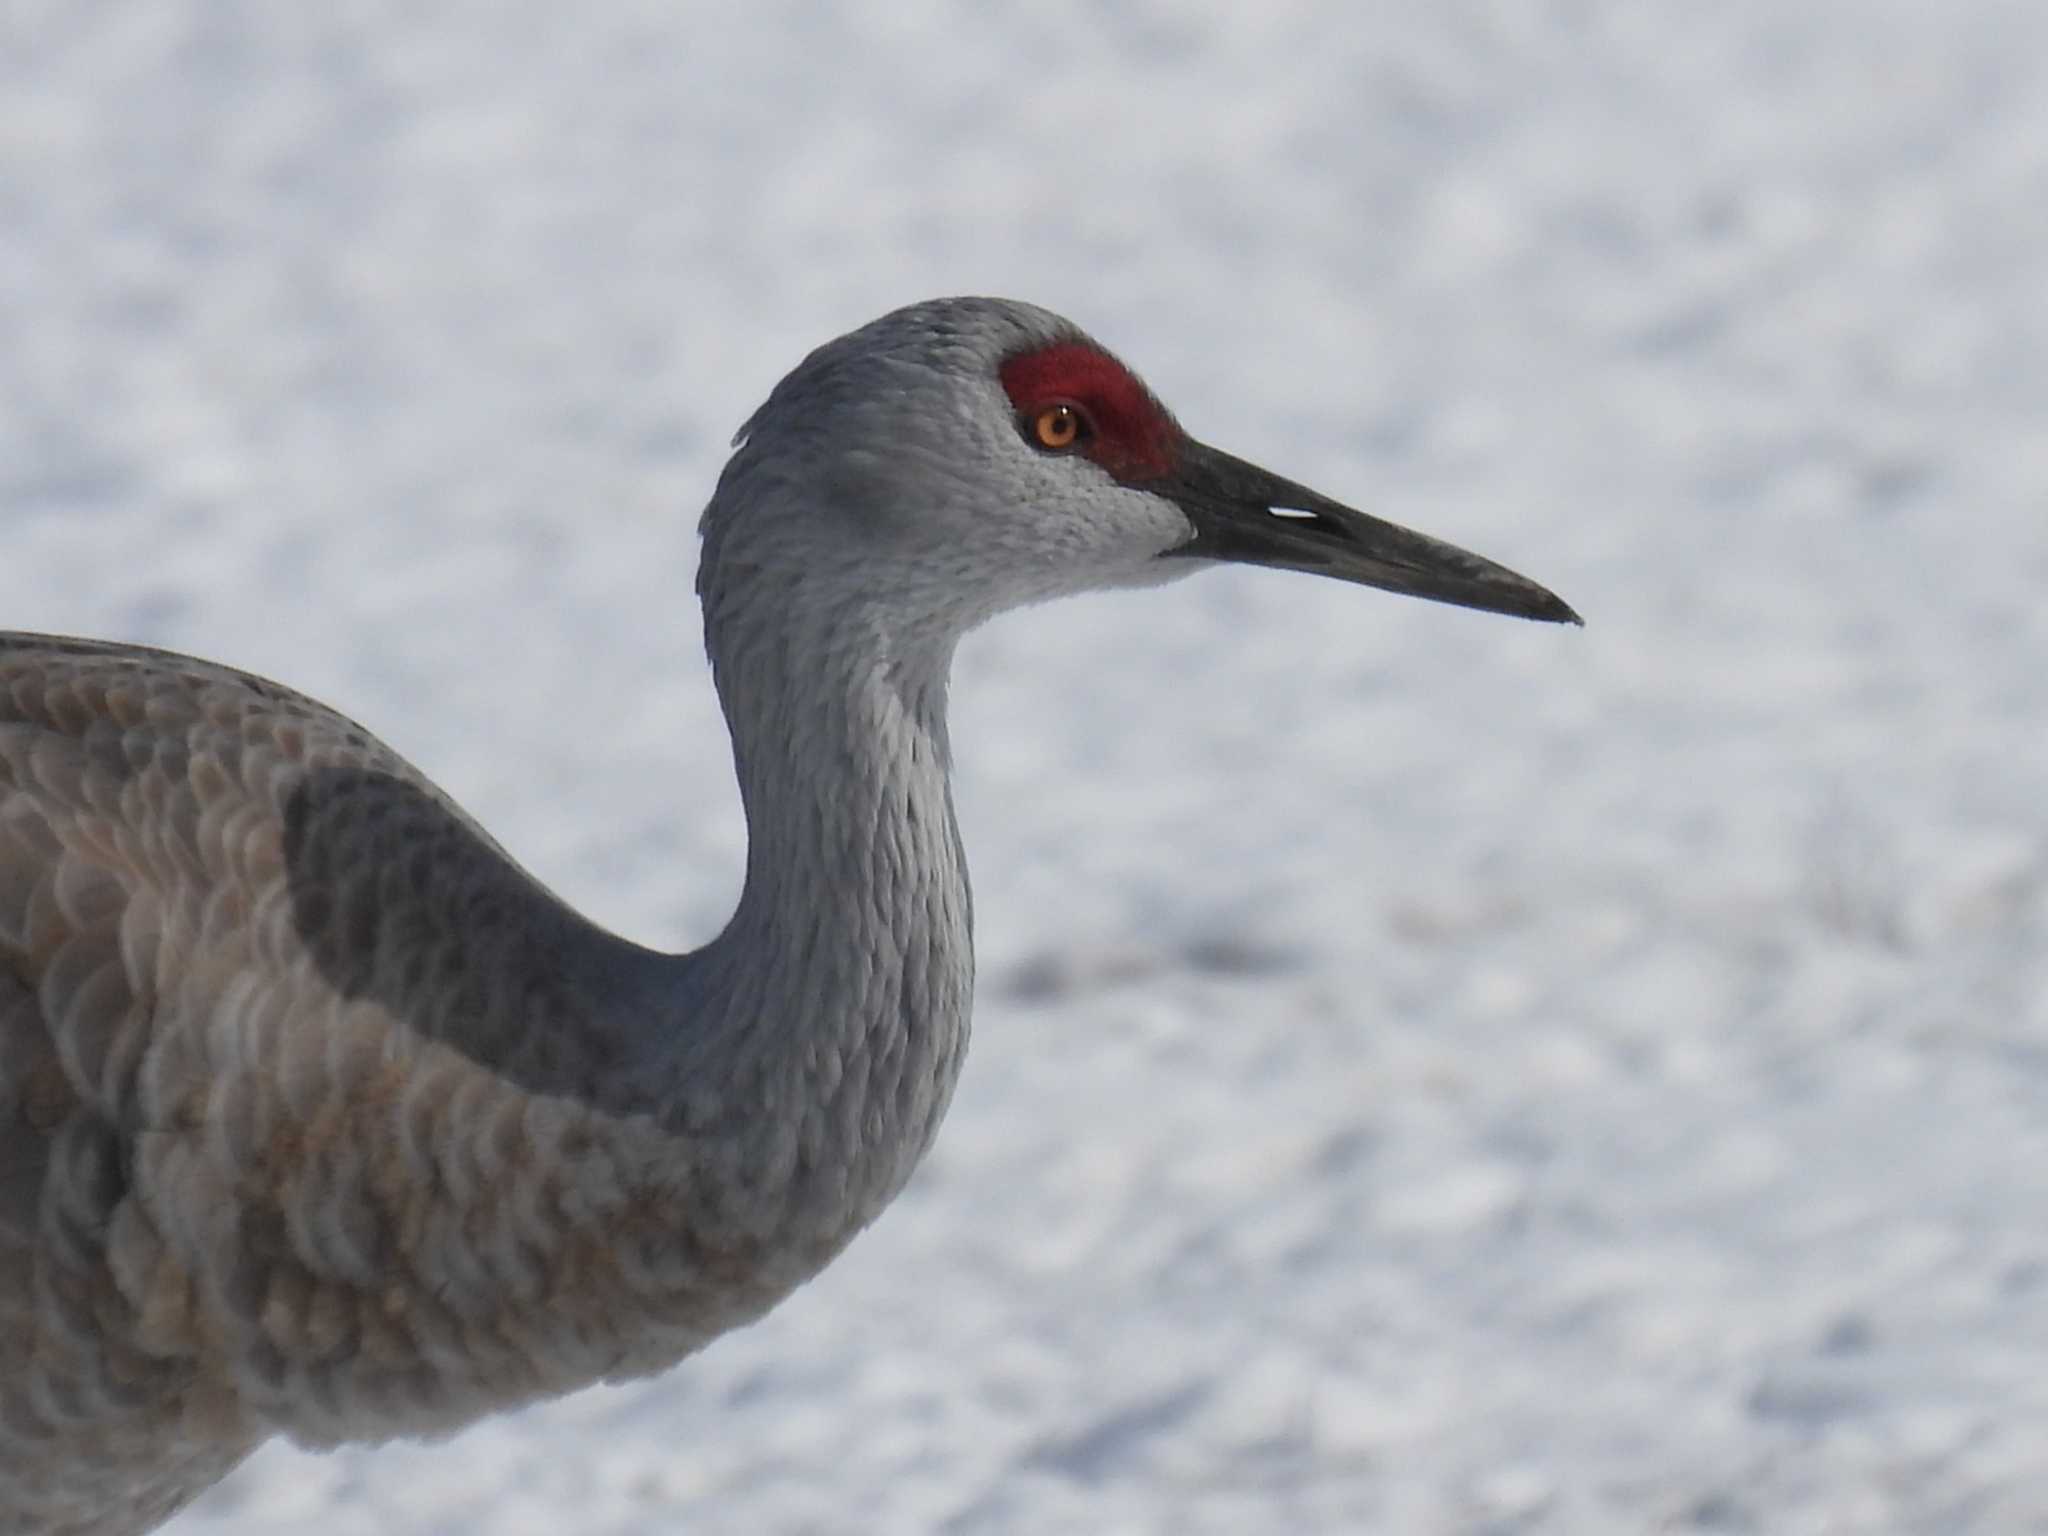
{"x": 1432, "y": 1073}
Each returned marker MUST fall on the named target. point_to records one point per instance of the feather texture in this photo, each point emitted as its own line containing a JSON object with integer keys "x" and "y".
{"x": 315, "y": 1112}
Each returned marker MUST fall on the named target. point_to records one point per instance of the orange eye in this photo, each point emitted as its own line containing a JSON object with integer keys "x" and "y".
{"x": 1057, "y": 428}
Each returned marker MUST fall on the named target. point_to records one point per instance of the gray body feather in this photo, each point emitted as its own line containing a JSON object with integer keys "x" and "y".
{"x": 319, "y": 1116}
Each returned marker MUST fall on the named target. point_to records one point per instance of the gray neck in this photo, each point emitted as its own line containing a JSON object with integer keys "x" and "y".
{"x": 827, "y": 1022}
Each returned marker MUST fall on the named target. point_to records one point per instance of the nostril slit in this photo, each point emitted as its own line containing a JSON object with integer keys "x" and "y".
{"x": 1299, "y": 514}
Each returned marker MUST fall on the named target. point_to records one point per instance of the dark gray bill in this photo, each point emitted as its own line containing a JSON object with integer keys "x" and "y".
{"x": 1241, "y": 512}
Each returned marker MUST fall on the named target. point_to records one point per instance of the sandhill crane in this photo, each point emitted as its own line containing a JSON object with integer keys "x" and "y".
{"x": 320, "y": 1117}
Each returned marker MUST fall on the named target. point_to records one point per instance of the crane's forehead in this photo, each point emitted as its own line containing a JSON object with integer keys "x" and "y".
{"x": 1136, "y": 439}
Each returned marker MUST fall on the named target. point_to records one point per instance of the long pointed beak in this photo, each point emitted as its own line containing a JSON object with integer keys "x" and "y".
{"x": 1244, "y": 513}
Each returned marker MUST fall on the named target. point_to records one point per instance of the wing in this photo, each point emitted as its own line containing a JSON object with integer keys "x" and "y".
{"x": 305, "y": 1090}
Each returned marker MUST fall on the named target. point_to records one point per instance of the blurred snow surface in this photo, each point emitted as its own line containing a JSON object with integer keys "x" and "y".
{"x": 1432, "y": 1073}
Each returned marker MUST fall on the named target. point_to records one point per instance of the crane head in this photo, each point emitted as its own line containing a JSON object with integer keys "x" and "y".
{"x": 963, "y": 456}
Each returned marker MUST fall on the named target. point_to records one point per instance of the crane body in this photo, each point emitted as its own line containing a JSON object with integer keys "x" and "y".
{"x": 321, "y": 1117}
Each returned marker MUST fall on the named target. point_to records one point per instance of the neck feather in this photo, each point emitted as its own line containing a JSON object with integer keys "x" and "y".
{"x": 830, "y": 1017}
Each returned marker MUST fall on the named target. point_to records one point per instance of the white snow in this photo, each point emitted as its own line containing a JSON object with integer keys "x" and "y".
{"x": 1432, "y": 1073}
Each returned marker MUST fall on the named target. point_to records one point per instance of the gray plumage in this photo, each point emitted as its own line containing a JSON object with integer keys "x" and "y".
{"x": 320, "y": 1117}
